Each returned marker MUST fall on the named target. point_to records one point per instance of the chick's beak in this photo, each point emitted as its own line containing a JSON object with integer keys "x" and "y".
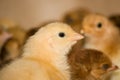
{"x": 114, "y": 67}
{"x": 77, "y": 36}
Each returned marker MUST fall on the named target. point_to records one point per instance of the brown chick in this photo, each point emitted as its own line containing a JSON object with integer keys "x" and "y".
{"x": 103, "y": 35}
{"x": 89, "y": 64}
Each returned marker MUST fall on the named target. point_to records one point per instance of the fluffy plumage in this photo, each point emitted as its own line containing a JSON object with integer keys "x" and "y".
{"x": 44, "y": 56}
{"x": 89, "y": 64}
{"x": 102, "y": 35}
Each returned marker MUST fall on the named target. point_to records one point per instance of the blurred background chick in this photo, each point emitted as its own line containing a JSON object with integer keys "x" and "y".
{"x": 12, "y": 46}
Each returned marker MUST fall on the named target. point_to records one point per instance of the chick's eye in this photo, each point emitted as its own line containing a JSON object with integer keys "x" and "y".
{"x": 99, "y": 25}
{"x": 61, "y": 34}
{"x": 105, "y": 66}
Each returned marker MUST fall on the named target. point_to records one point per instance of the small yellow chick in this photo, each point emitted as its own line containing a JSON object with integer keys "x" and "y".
{"x": 44, "y": 56}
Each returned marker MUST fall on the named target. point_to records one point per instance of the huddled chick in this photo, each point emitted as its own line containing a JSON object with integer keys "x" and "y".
{"x": 89, "y": 64}
{"x": 13, "y": 40}
{"x": 103, "y": 35}
{"x": 44, "y": 56}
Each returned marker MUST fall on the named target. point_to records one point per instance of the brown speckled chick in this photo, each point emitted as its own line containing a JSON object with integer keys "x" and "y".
{"x": 89, "y": 64}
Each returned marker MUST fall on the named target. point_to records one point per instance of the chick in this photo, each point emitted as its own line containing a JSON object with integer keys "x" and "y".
{"x": 11, "y": 40}
{"x": 89, "y": 64}
{"x": 44, "y": 56}
{"x": 102, "y": 35}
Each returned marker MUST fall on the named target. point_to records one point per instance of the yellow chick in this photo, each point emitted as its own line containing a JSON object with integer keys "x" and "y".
{"x": 102, "y": 35}
{"x": 44, "y": 56}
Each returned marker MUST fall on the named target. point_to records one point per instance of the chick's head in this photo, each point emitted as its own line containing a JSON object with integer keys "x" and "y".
{"x": 102, "y": 65}
{"x": 56, "y": 36}
{"x": 97, "y": 26}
